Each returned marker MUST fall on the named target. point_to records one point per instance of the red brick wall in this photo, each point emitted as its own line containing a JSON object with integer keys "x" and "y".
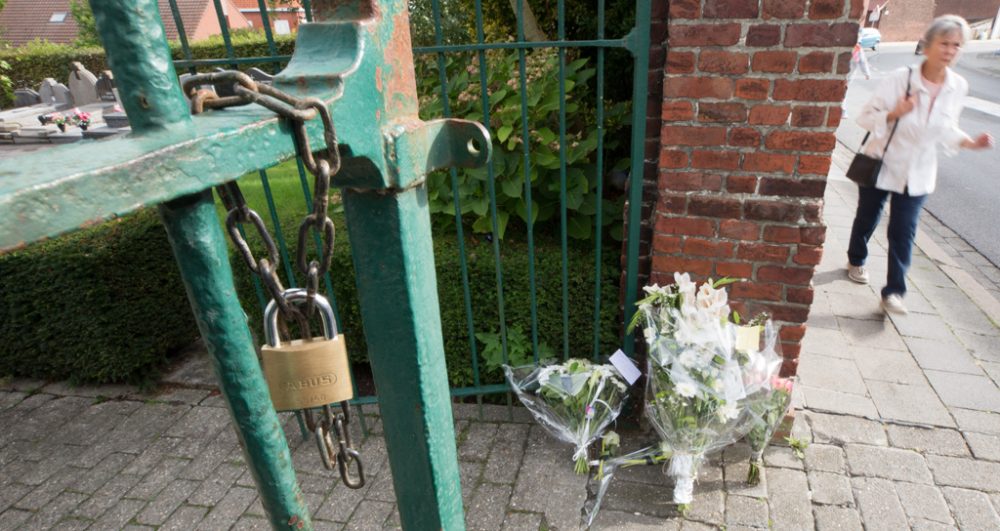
{"x": 751, "y": 98}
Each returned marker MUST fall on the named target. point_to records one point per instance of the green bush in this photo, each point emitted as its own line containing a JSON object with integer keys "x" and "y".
{"x": 506, "y": 123}
{"x": 105, "y": 304}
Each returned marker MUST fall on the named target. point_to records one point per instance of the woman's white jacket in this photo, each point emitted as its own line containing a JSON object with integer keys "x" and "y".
{"x": 911, "y": 160}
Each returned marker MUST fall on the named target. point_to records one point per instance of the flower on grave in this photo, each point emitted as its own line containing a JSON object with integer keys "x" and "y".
{"x": 57, "y": 118}
{"x": 81, "y": 118}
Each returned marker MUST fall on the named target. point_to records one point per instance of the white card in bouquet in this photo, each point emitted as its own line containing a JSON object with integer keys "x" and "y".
{"x": 625, "y": 367}
{"x": 748, "y": 338}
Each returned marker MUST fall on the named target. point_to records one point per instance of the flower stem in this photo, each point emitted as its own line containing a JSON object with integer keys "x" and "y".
{"x": 753, "y": 475}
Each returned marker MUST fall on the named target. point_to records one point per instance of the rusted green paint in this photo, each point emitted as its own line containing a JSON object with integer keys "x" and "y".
{"x": 144, "y": 70}
{"x": 38, "y": 199}
{"x": 200, "y": 249}
{"x": 155, "y": 103}
{"x": 388, "y": 222}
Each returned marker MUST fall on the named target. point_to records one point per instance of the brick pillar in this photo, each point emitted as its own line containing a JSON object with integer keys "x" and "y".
{"x": 751, "y": 99}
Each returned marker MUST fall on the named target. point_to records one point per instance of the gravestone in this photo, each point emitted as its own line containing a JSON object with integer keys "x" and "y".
{"x": 54, "y": 93}
{"x": 116, "y": 120}
{"x": 113, "y": 119}
{"x": 82, "y": 84}
{"x": 260, "y": 76}
{"x": 26, "y": 98}
{"x": 62, "y": 96}
{"x": 45, "y": 91}
{"x": 106, "y": 91}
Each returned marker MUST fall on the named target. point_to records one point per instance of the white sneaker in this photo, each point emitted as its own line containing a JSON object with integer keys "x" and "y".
{"x": 893, "y": 304}
{"x": 857, "y": 273}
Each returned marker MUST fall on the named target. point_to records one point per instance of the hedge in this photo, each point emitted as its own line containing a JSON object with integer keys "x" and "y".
{"x": 31, "y": 64}
{"x": 106, "y": 304}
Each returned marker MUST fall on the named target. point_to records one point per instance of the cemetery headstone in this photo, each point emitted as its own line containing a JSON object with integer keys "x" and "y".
{"x": 106, "y": 90}
{"x": 62, "y": 96}
{"x": 26, "y": 98}
{"x": 45, "y": 91}
{"x": 82, "y": 84}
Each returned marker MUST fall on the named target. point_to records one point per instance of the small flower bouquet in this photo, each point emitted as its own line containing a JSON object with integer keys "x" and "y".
{"x": 58, "y": 119}
{"x": 574, "y": 401}
{"x": 695, "y": 394}
{"x": 81, "y": 118}
{"x": 767, "y": 410}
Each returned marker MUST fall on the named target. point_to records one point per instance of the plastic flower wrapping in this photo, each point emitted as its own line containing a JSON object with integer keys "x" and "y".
{"x": 654, "y": 454}
{"x": 574, "y": 401}
{"x": 767, "y": 405}
{"x": 702, "y": 371}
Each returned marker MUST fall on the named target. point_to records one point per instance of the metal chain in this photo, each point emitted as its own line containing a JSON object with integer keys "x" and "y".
{"x": 297, "y": 111}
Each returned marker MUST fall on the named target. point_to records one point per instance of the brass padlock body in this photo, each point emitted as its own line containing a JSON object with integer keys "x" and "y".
{"x": 305, "y": 374}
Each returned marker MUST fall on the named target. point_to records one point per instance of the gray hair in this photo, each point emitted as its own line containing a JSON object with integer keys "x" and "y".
{"x": 946, "y": 24}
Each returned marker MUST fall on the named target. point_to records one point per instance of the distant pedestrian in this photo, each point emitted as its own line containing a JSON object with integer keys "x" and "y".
{"x": 859, "y": 61}
{"x": 927, "y": 114}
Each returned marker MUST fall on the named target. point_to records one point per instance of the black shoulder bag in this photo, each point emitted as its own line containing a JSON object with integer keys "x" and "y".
{"x": 864, "y": 169}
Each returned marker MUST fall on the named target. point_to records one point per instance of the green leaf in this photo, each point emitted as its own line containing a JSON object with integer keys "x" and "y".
{"x": 479, "y": 205}
{"x": 497, "y": 96}
{"x": 522, "y": 213}
{"x": 547, "y": 135}
{"x": 504, "y": 132}
{"x": 483, "y": 225}
{"x": 512, "y": 187}
{"x": 578, "y": 227}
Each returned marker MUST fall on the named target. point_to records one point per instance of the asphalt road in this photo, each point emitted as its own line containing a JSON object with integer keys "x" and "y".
{"x": 968, "y": 192}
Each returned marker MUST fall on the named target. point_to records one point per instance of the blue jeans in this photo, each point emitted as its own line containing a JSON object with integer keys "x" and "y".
{"x": 905, "y": 210}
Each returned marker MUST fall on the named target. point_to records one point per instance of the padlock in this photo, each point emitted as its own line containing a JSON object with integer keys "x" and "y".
{"x": 305, "y": 373}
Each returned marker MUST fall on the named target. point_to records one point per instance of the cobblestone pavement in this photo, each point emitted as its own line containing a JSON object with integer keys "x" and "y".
{"x": 901, "y": 415}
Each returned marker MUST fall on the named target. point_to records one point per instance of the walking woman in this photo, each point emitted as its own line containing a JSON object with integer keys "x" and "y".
{"x": 923, "y": 104}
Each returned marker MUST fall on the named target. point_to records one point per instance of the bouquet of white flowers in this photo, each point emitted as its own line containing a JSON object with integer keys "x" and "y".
{"x": 695, "y": 394}
{"x": 574, "y": 401}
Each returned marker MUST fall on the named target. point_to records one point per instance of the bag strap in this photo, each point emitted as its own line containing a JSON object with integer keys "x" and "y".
{"x": 909, "y": 71}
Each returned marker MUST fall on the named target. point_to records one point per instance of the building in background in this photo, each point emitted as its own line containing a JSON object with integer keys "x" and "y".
{"x": 284, "y": 15}
{"x": 905, "y": 20}
{"x": 22, "y": 21}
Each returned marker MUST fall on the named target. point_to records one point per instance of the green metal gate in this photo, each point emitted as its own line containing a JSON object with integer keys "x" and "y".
{"x": 636, "y": 43}
{"x": 361, "y": 56}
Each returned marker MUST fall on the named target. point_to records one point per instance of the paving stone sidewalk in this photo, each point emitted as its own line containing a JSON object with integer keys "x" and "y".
{"x": 901, "y": 415}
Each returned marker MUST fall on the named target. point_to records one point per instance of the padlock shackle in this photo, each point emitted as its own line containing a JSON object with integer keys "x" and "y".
{"x": 292, "y": 296}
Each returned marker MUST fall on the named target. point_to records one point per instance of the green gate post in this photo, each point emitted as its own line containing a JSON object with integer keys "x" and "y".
{"x": 133, "y": 36}
{"x": 388, "y": 222}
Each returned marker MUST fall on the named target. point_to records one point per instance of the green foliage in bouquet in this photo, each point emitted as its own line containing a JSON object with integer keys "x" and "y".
{"x": 767, "y": 409}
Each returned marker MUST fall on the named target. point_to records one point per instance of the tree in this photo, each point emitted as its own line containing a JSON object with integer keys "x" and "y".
{"x": 532, "y": 32}
{"x": 86, "y": 25}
